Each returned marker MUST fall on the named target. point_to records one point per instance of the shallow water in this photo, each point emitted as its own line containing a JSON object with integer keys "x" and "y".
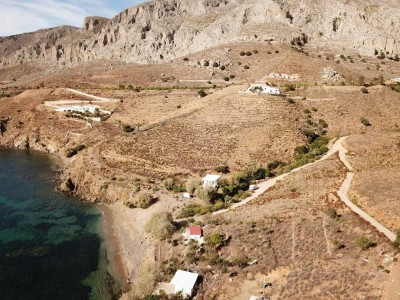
{"x": 50, "y": 244}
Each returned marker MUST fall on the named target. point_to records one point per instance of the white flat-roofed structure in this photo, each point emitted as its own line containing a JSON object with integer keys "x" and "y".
{"x": 79, "y": 108}
{"x": 210, "y": 180}
{"x": 184, "y": 282}
{"x": 263, "y": 88}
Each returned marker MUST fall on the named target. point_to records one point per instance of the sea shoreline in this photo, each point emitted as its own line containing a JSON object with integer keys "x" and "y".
{"x": 116, "y": 262}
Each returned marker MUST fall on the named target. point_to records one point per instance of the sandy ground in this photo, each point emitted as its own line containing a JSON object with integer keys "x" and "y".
{"x": 129, "y": 246}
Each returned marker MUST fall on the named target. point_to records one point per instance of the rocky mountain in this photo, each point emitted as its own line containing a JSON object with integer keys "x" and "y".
{"x": 162, "y": 30}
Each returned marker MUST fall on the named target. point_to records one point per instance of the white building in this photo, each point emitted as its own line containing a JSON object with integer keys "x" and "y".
{"x": 79, "y": 108}
{"x": 195, "y": 233}
{"x": 397, "y": 80}
{"x": 183, "y": 282}
{"x": 263, "y": 88}
{"x": 211, "y": 181}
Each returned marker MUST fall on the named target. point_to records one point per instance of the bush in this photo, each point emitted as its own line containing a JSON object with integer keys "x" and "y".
{"x": 215, "y": 239}
{"x": 242, "y": 53}
{"x": 307, "y": 111}
{"x": 222, "y": 169}
{"x": 201, "y": 93}
{"x": 246, "y": 67}
{"x": 215, "y": 65}
{"x": 146, "y": 282}
{"x": 275, "y": 164}
{"x": 206, "y": 194}
{"x": 364, "y": 242}
{"x": 396, "y": 242}
{"x": 248, "y": 53}
{"x": 332, "y": 213}
{"x": 160, "y": 225}
{"x": 290, "y": 87}
{"x": 185, "y": 59}
{"x": 231, "y": 76}
{"x": 171, "y": 184}
{"x": 128, "y": 128}
{"x": 143, "y": 200}
{"x": 322, "y": 123}
{"x": 226, "y": 78}
{"x": 365, "y": 122}
{"x": 290, "y": 101}
{"x": 255, "y": 51}
{"x": 364, "y": 90}
{"x": 73, "y": 151}
{"x": 222, "y": 68}
{"x": 192, "y": 184}
{"x": 276, "y": 51}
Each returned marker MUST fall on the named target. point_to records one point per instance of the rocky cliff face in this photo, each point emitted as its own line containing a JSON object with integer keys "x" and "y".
{"x": 165, "y": 29}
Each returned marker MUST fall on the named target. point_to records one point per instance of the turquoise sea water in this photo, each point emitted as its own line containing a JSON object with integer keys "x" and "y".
{"x": 50, "y": 244}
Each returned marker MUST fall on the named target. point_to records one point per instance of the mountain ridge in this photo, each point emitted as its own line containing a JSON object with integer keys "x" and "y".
{"x": 162, "y": 30}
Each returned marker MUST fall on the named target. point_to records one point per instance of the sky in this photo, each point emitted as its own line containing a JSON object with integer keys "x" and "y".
{"x": 18, "y": 16}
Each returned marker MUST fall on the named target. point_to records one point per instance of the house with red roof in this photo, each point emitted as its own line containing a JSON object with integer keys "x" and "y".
{"x": 194, "y": 232}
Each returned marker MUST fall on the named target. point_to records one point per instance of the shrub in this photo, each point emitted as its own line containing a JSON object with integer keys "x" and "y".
{"x": 363, "y": 60}
{"x": 303, "y": 149}
{"x": 215, "y": 65}
{"x": 396, "y": 242}
{"x": 222, "y": 68}
{"x": 143, "y": 200}
{"x": 160, "y": 225}
{"x": 314, "y": 109}
{"x": 146, "y": 282}
{"x": 364, "y": 90}
{"x": 364, "y": 242}
{"x": 172, "y": 184}
{"x": 242, "y": 53}
{"x": 246, "y": 67}
{"x": 192, "y": 184}
{"x": 248, "y": 53}
{"x": 255, "y": 51}
{"x": 332, "y": 213}
{"x": 276, "y": 51}
{"x": 290, "y": 101}
{"x": 215, "y": 239}
{"x": 222, "y": 169}
{"x": 307, "y": 111}
{"x": 269, "y": 52}
{"x": 323, "y": 123}
{"x": 290, "y": 87}
{"x": 128, "y": 128}
{"x": 275, "y": 164}
{"x": 201, "y": 93}
{"x": 365, "y": 122}
{"x": 226, "y": 78}
{"x": 231, "y": 76}
{"x": 396, "y": 57}
{"x": 206, "y": 194}
{"x": 185, "y": 59}
{"x": 74, "y": 151}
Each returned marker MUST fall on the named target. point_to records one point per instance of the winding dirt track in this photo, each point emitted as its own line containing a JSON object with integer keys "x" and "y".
{"x": 342, "y": 192}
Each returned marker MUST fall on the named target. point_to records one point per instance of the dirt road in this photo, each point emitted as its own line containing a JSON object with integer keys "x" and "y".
{"x": 342, "y": 192}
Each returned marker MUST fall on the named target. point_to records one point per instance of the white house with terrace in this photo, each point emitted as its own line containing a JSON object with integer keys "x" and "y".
{"x": 263, "y": 89}
{"x": 93, "y": 109}
{"x": 183, "y": 282}
{"x": 211, "y": 181}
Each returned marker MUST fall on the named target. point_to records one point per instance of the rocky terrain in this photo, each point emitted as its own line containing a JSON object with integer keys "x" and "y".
{"x": 159, "y": 31}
